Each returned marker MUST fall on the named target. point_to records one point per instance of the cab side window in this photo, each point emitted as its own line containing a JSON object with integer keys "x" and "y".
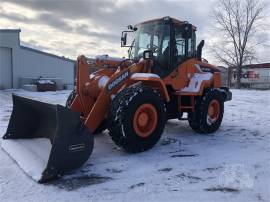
{"x": 180, "y": 44}
{"x": 179, "y": 53}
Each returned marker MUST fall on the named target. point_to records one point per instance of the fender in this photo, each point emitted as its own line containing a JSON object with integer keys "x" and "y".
{"x": 152, "y": 80}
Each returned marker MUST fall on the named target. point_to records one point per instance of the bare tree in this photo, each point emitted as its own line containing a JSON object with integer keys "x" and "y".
{"x": 238, "y": 23}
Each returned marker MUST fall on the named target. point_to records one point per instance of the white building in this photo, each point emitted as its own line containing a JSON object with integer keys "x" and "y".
{"x": 255, "y": 76}
{"x": 20, "y": 64}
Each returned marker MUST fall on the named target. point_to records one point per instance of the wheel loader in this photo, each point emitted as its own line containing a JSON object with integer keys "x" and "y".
{"x": 163, "y": 78}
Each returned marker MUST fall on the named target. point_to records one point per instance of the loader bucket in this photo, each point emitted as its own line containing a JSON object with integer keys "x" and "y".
{"x": 46, "y": 140}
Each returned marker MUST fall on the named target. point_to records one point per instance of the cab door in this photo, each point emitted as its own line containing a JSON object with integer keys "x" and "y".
{"x": 162, "y": 52}
{"x": 182, "y": 51}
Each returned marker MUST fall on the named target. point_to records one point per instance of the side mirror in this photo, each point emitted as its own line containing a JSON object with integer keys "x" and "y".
{"x": 124, "y": 39}
{"x": 187, "y": 30}
{"x": 147, "y": 55}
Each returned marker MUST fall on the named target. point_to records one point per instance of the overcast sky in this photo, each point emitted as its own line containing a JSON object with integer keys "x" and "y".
{"x": 93, "y": 27}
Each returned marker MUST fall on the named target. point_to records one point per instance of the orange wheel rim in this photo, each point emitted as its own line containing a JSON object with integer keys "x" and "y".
{"x": 145, "y": 120}
{"x": 213, "y": 111}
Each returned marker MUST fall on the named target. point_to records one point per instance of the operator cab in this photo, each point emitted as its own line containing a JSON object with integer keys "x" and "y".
{"x": 170, "y": 42}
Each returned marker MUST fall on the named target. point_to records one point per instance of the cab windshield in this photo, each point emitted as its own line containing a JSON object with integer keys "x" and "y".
{"x": 152, "y": 36}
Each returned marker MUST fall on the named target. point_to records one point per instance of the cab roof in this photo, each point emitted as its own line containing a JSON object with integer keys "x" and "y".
{"x": 174, "y": 20}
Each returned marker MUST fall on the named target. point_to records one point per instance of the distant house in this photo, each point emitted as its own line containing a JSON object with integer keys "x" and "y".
{"x": 20, "y": 64}
{"x": 256, "y": 76}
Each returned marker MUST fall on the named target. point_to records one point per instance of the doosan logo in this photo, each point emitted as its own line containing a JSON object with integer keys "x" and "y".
{"x": 118, "y": 80}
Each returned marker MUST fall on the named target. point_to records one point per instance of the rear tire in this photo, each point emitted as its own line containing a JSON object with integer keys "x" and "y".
{"x": 123, "y": 127}
{"x": 208, "y": 113}
{"x": 193, "y": 123}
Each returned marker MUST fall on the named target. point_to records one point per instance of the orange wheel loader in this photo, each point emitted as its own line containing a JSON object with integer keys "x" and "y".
{"x": 163, "y": 78}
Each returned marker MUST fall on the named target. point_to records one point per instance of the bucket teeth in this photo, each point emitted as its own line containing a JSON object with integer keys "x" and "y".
{"x": 71, "y": 142}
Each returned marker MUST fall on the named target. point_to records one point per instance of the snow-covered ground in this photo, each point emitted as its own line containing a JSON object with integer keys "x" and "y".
{"x": 232, "y": 164}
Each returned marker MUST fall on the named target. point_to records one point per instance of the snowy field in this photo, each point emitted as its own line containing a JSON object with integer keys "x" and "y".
{"x": 232, "y": 164}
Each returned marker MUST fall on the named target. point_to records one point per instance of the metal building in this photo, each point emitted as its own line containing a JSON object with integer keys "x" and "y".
{"x": 19, "y": 64}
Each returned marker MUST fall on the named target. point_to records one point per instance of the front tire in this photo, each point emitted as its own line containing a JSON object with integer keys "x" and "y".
{"x": 208, "y": 113}
{"x": 137, "y": 118}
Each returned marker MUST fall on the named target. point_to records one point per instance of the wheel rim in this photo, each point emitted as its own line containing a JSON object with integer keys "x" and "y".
{"x": 213, "y": 112}
{"x": 145, "y": 120}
